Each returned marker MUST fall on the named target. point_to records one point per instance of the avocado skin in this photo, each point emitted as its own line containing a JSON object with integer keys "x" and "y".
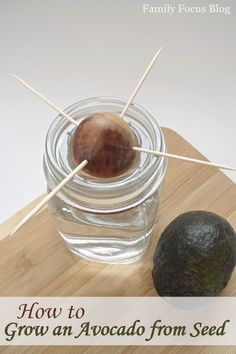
{"x": 195, "y": 255}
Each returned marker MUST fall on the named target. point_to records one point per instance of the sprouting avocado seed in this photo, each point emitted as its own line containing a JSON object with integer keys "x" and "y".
{"x": 105, "y": 140}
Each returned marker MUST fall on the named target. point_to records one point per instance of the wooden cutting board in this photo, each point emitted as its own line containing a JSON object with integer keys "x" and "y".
{"x": 36, "y": 262}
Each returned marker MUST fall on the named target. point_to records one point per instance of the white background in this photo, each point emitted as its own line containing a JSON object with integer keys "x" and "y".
{"x": 71, "y": 50}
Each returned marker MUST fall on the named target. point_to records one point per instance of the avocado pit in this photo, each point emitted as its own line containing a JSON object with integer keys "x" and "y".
{"x": 106, "y": 141}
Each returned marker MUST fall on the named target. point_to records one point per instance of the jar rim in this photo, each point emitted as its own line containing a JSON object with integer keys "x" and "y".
{"x": 148, "y": 178}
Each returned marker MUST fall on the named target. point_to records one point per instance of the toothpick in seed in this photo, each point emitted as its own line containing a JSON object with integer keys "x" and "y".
{"x": 137, "y": 88}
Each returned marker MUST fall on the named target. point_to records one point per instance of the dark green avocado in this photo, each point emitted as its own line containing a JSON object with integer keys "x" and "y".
{"x": 195, "y": 255}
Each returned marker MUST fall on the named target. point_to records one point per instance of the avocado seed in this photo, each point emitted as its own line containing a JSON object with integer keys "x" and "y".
{"x": 106, "y": 141}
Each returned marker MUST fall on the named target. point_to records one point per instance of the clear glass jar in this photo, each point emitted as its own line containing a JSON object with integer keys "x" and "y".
{"x": 106, "y": 220}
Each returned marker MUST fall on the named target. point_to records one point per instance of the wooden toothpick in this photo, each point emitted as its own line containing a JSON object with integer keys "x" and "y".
{"x": 153, "y": 152}
{"x": 49, "y": 196}
{"x": 184, "y": 158}
{"x": 64, "y": 114}
{"x": 137, "y": 88}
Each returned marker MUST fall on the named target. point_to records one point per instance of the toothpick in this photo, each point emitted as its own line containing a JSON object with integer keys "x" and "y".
{"x": 49, "y": 196}
{"x": 137, "y": 88}
{"x": 64, "y": 114}
{"x": 153, "y": 152}
{"x": 184, "y": 158}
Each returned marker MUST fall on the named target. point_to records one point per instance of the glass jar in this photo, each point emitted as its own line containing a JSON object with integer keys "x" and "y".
{"x": 106, "y": 219}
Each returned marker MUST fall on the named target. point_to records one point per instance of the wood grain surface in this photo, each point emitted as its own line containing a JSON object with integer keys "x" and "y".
{"x": 36, "y": 262}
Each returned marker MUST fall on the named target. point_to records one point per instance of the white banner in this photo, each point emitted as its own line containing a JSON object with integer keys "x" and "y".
{"x": 117, "y": 321}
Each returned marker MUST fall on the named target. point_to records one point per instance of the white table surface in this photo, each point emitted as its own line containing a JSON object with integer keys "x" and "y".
{"x": 71, "y": 50}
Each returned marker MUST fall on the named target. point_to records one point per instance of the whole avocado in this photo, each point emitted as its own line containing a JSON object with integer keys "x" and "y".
{"x": 195, "y": 256}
